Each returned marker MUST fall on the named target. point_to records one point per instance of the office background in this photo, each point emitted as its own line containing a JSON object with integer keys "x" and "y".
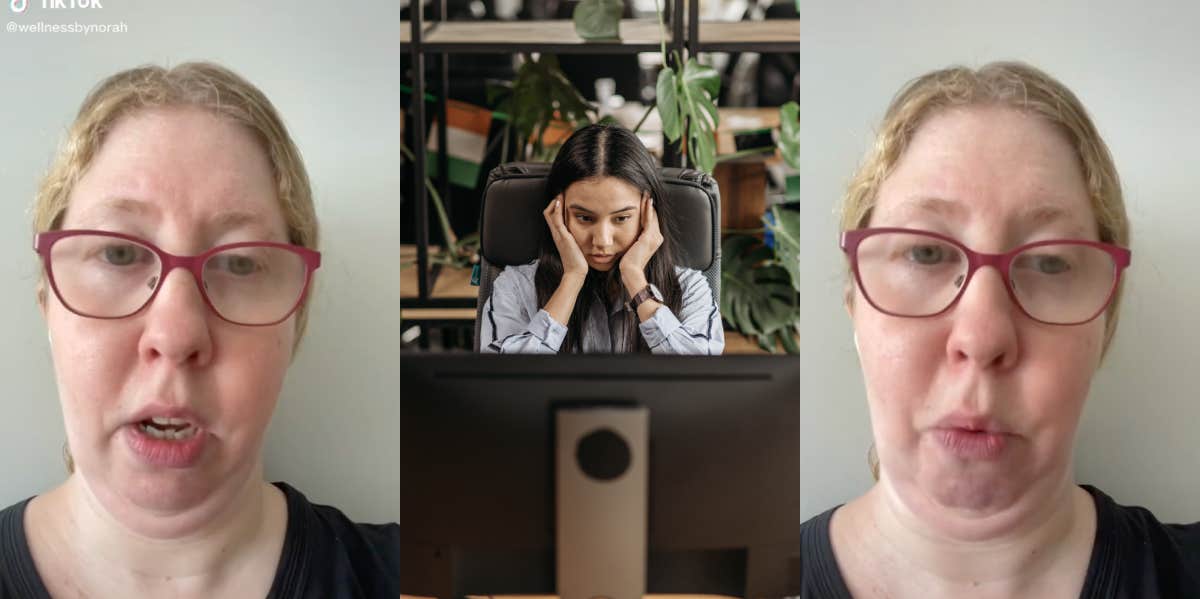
{"x": 332, "y": 71}
{"x": 1134, "y": 67}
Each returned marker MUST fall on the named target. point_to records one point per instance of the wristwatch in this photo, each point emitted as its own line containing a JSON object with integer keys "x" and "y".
{"x": 647, "y": 292}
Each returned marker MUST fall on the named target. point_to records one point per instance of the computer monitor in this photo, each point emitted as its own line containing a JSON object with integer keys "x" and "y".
{"x": 477, "y": 497}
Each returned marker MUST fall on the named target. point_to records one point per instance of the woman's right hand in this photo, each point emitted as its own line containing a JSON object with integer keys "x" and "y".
{"x": 568, "y": 251}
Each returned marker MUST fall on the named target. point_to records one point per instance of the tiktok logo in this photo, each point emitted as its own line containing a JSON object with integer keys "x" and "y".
{"x": 18, "y": 6}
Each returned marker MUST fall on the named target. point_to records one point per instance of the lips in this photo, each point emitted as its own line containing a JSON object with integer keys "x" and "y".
{"x": 972, "y": 437}
{"x": 971, "y": 422}
{"x": 165, "y": 413}
{"x": 164, "y": 436}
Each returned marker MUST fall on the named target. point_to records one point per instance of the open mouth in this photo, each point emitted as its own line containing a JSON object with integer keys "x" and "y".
{"x": 168, "y": 429}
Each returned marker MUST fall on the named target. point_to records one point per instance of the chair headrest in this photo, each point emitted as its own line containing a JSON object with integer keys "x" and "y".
{"x": 515, "y": 196}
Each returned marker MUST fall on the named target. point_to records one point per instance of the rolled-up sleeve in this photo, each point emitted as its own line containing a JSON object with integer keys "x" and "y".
{"x": 696, "y": 330}
{"x": 512, "y": 323}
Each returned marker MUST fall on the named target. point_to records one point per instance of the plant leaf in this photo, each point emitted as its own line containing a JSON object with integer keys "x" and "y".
{"x": 756, "y": 296}
{"x": 699, "y": 87}
{"x": 789, "y": 134}
{"x": 598, "y": 19}
{"x": 789, "y": 341}
{"x": 705, "y": 155}
{"x": 786, "y": 230}
{"x": 668, "y": 103}
{"x": 699, "y": 76}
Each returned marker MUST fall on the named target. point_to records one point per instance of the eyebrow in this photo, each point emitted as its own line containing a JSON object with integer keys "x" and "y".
{"x": 582, "y": 209}
{"x": 1043, "y": 213}
{"x": 931, "y": 204}
{"x": 1040, "y": 213}
{"x": 227, "y": 219}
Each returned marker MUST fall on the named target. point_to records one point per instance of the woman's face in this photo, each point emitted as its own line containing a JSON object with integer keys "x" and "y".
{"x": 185, "y": 180}
{"x": 603, "y": 215}
{"x": 993, "y": 178}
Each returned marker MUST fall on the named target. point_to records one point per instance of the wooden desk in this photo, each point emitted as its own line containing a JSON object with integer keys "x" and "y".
{"x": 450, "y": 283}
{"x": 737, "y": 343}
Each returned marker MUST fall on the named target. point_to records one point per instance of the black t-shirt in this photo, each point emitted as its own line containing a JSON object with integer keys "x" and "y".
{"x": 325, "y": 555}
{"x": 1134, "y": 556}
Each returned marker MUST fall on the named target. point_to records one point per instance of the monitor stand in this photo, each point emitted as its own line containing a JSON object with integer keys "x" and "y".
{"x": 601, "y": 497}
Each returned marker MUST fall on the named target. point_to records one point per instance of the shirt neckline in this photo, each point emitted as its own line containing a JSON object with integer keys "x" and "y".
{"x": 291, "y": 573}
{"x": 1100, "y": 579}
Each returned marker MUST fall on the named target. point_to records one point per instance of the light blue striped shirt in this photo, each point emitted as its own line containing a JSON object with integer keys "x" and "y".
{"x": 514, "y": 323}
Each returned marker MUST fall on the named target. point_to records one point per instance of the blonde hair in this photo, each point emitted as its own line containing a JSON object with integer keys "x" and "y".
{"x": 1010, "y": 84}
{"x": 193, "y": 84}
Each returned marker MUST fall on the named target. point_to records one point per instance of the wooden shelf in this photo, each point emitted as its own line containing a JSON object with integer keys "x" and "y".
{"x": 557, "y": 36}
{"x": 775, "y": 35}
{"x": 637, "y": 35}
{"x": 406, "y": 34}
{"x": 439, "y": 314}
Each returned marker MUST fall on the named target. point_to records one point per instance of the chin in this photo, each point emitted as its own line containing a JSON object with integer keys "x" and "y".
{"x": 602, "y": 267}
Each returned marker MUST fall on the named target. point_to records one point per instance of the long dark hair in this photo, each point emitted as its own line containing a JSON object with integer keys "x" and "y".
{"x": 608, "y": 151}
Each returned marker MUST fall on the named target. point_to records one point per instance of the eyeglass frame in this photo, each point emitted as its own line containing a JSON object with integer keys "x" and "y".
{"x": 43, "y": 242}
{"x": 1121, "y": 257}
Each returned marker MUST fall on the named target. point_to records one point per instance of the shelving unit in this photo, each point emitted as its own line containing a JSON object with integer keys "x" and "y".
{"x": 440, "y": 38}
{"x": 555, "y": 37}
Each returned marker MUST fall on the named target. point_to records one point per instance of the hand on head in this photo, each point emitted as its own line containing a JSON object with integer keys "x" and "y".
{"x": 568, "y": 250}
{"x": 649, "y": 240}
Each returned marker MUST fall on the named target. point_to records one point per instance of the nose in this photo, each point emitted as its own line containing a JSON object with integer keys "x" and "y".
{"x": 984, "y": 330}
{"x": 604, "y": 236}
{"x": 177, "y": 323}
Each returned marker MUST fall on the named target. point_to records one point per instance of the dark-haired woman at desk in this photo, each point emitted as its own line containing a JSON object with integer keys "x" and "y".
{"x": 606, "y": 280}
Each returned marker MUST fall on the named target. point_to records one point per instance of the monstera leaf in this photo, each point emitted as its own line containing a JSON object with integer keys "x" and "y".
{"x": 688, "y": 96}
{"x": 757, "y": 295}
{"x": 598, "y": 20}
{"x": 785, "y": 227}
{"x": 789, "y": 134}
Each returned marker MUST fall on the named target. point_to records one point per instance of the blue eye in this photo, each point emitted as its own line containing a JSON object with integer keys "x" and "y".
{"x": 927, "y": 254}
{"x": 120, "y": 255}
{"x": 236, "y": 264}
{"x": 124, "y": 254}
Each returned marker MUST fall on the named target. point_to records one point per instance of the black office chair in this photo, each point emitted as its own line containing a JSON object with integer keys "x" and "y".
{"x": 511, "y": 222}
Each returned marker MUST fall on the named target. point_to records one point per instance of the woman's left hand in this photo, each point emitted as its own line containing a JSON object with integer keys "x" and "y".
{"x": 649, "y": 240}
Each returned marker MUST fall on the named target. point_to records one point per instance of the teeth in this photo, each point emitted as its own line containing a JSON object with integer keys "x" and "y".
{"x": 168, "y": 421}
{"x": 168, "y": 435}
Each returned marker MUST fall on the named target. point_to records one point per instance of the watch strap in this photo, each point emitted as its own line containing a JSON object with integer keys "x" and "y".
{"x": 641, "y": 296}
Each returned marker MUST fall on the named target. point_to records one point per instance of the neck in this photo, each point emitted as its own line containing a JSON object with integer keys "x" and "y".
{"x": 1004, "y": 552}
{"x": 155, "y": 548}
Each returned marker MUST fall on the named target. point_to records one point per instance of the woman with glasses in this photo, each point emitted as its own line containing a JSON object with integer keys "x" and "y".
{"x": 177, "y": 238}
{"x": 606, "y": 279}
{"x": 986, "y": 238}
